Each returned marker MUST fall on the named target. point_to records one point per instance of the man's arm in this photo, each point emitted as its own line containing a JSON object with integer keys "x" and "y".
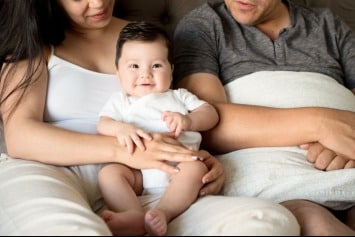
{"x": 245, "y": 126}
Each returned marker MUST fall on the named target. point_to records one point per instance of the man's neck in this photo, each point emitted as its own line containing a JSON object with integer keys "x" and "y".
{"x": 279, "y": 20}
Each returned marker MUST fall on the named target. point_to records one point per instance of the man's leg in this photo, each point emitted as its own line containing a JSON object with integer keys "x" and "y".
{"x": 316, "y": 220}
{"x": 350, "y": 218}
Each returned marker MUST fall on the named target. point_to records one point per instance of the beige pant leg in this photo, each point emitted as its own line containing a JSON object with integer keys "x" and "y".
{"x": 38, "y": 199}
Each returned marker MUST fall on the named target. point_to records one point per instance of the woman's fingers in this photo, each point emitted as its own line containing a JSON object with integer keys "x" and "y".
{"x": 163, "y": 166}
{"x": 214, "y": 179}
{"x": 143, "y": 134}
{"x": 167, "y": 146}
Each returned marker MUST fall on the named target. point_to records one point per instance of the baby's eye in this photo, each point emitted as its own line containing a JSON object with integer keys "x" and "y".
{"x": 156, "y": 65}
{"x": 133, "y": 66}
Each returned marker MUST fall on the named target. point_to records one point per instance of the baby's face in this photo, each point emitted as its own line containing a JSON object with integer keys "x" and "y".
{"x": 144, "y": 68}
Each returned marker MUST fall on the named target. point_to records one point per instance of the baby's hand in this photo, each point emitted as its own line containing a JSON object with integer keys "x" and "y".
{"x": 176, "y": 122}
{"x": 131, "y": 136}
{"x": 326, "y": 159}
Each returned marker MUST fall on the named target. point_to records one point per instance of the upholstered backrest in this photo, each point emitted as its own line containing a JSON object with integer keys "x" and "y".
{"x": 169, "y": 12}
{"x": 164, "y": 12}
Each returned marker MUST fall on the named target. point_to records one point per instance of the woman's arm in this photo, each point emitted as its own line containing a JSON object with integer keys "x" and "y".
{"x": 28, "y": 137}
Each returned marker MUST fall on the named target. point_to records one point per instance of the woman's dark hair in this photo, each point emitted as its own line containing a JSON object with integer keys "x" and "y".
{"x": 142, "y": 31}
{"x": 26, "y": 27}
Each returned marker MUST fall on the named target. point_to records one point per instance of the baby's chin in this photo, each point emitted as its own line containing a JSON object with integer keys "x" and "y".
{"x": 144, "y": 91}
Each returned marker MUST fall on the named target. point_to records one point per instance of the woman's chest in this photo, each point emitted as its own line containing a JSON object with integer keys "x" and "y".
{"x": 74, "y": 92}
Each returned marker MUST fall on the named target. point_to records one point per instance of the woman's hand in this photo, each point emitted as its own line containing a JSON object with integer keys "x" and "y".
{"x": 214, "y": 179}
{"x": 162, "y": 148}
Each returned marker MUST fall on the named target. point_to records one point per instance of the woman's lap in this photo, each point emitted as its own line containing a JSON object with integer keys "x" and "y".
{"x": 39, "y": 199}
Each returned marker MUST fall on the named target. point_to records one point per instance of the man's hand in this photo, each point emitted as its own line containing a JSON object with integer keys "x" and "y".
{"x": 326, "y": 159}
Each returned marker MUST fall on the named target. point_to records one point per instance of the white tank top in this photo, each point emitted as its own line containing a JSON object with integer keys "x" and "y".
{"x": 76, "y": 95}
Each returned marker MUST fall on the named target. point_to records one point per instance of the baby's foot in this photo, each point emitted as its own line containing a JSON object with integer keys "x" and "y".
{"x": 124, "y": 223}
{"x": 155, "y": 223}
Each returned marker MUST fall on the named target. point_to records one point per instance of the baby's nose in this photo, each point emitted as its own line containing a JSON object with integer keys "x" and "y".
{"x": 145, "y": 73}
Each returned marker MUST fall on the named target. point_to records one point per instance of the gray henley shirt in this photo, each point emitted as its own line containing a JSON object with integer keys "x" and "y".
{"x": 209, "y": 40}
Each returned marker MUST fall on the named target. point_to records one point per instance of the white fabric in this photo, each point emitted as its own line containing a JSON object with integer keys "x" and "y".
{"x": 48, "y": 200}
{"x": 75, "y": 95}
{"x": 282, "y": 174}
{"x": 146, "y": 113}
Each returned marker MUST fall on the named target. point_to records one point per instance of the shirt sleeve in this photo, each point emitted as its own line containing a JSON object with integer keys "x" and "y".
{"x": 195, "y": 44}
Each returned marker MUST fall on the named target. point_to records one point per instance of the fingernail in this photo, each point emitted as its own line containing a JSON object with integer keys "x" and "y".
{"x": 194, "y": 157}
{"x": 176, "y": 170}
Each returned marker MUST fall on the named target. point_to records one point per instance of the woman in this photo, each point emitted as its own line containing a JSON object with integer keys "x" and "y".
{"x": 56, "y": 72}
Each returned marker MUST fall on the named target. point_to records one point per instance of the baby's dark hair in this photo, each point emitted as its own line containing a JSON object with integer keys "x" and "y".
{"x": 142, "y": 31}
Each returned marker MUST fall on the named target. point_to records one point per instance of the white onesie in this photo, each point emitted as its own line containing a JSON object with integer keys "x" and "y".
{"x": 145, "y": 112}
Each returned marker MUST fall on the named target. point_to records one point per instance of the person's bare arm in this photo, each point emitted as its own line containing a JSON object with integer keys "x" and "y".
{"x": 244, "y": 126}
{"x": 203, "y": 118}
{"x": 326, "y": 159}
{"x": 240, "y": 126}
{"x": 28, "y": 137}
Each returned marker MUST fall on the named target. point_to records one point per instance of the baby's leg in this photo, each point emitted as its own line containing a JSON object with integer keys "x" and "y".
{"x": 179, "y": 195}
{"x": 120, "y": 186}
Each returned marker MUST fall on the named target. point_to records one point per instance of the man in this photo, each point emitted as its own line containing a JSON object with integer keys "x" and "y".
{"x": 230, "y": 52}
